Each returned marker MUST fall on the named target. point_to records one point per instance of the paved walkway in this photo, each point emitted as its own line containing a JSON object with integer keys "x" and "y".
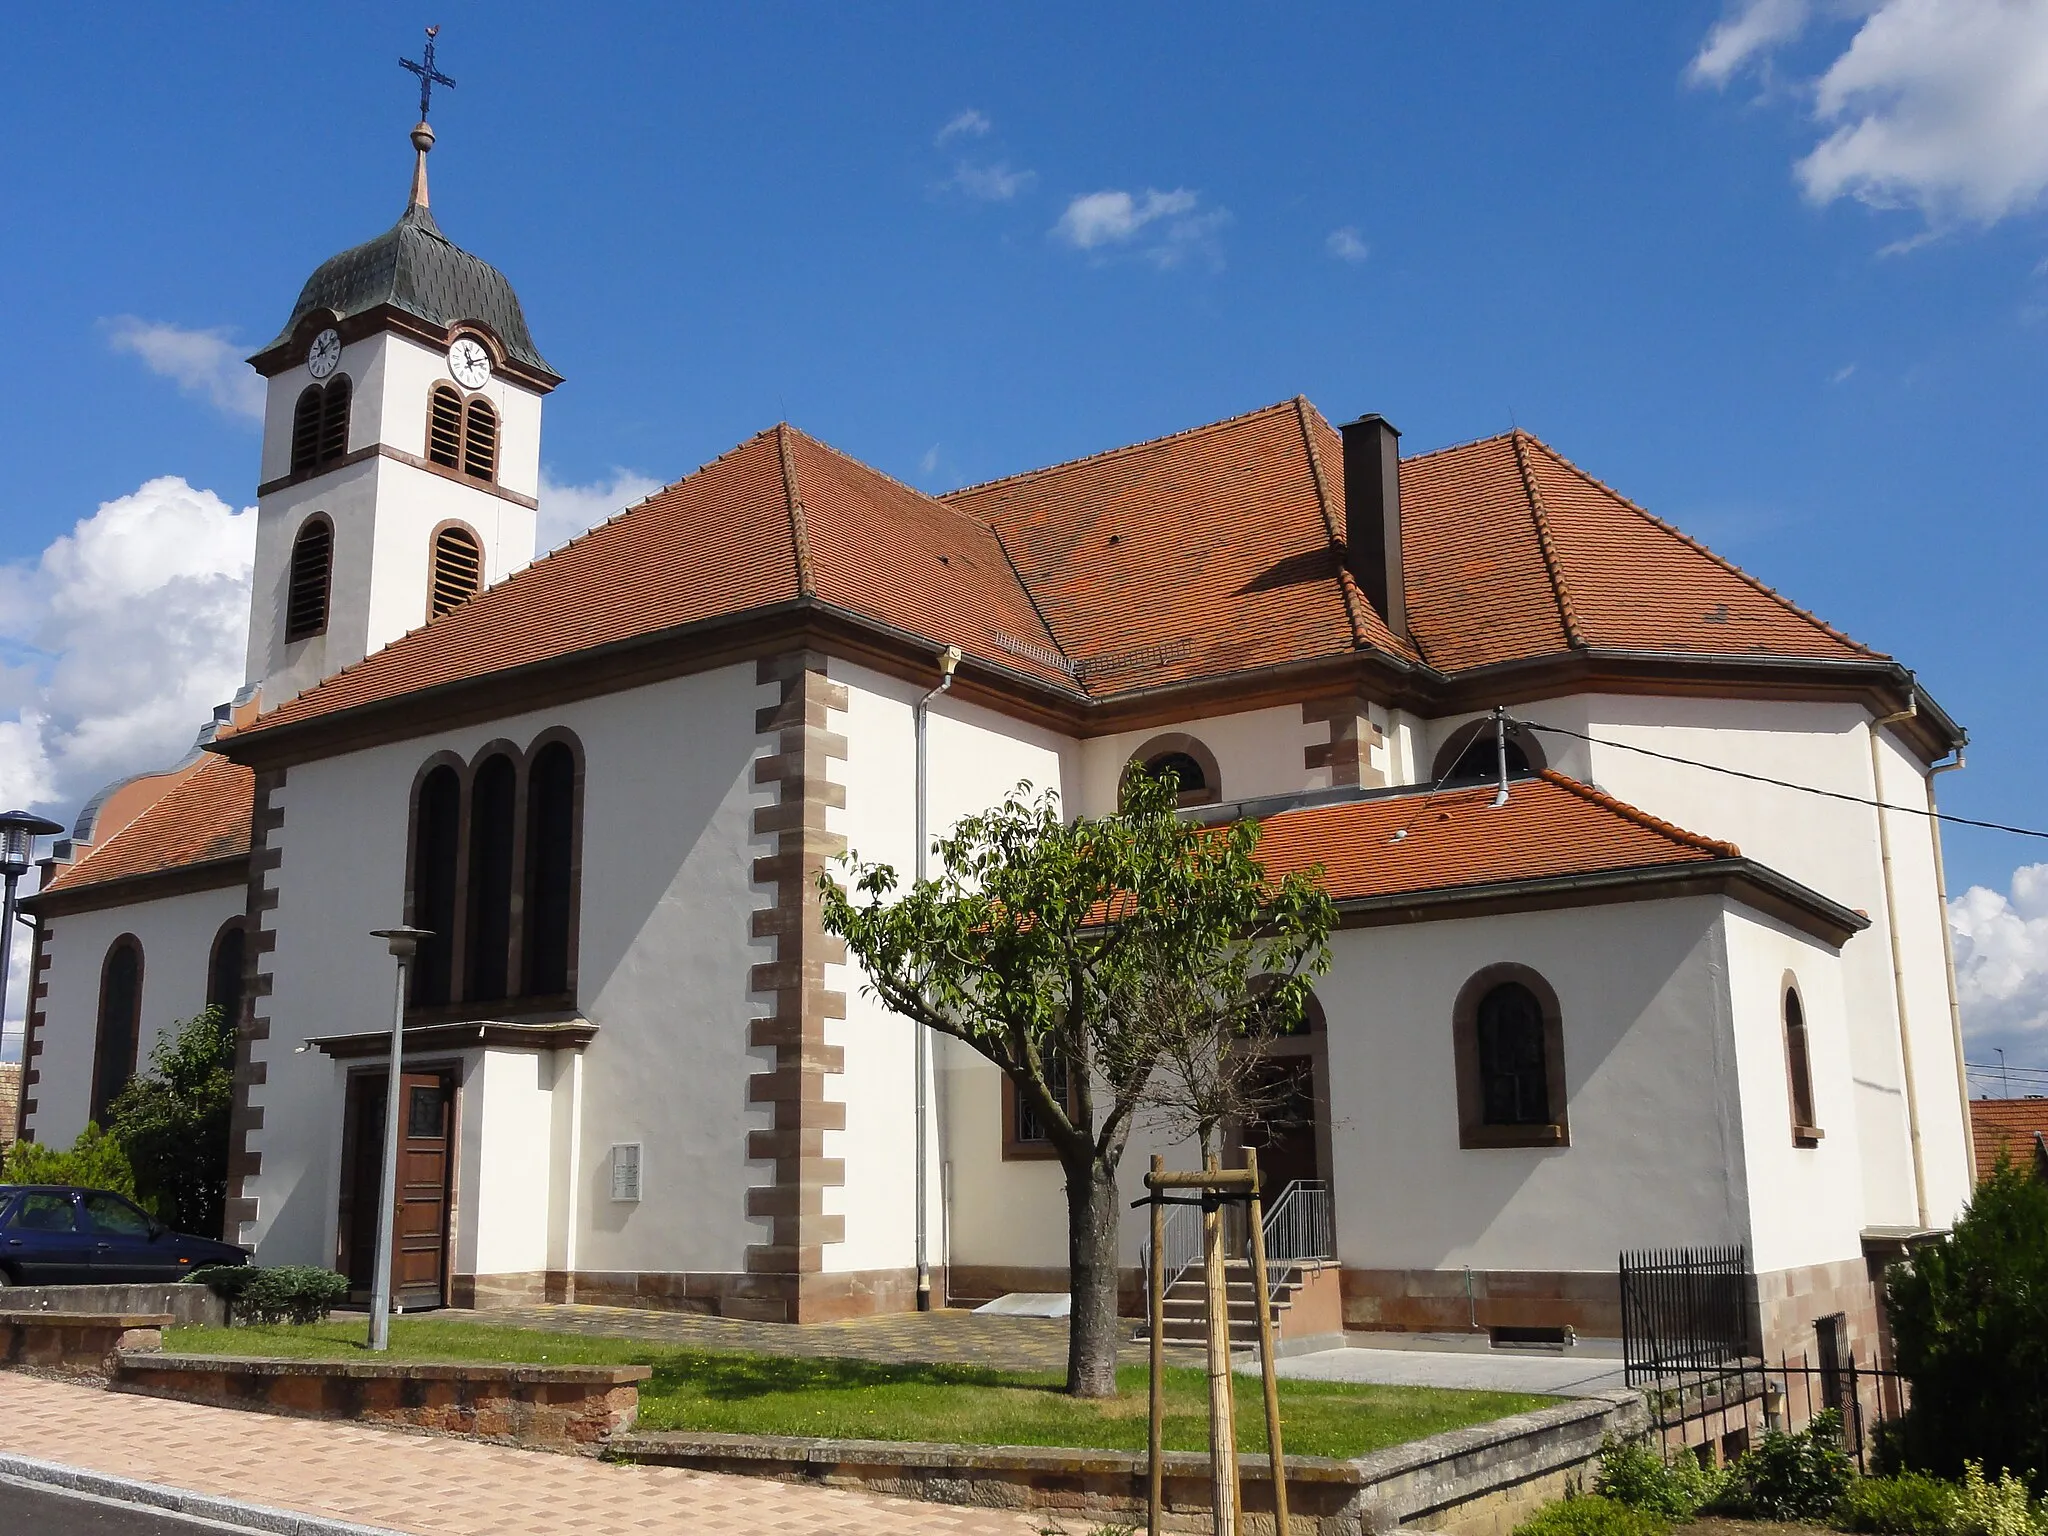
{"x": 1496, "y": 1371}
{"x": 431, "y": 1486}
{"x": 952, "y": 1337}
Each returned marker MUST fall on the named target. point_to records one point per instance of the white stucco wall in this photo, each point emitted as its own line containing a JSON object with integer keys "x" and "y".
{"x": 664, "y": 959}
{"x": 1258, "y": 752}
{"x": 176, "y": 934}
{"x": 975, "y": 758}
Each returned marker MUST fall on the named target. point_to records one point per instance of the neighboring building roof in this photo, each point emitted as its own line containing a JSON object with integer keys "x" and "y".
{"x": 206, "y": 817}
{"x": 1555, "y": 837}
{"x": 2017, "y": 1127}
{"x": 413, "y": 267}
{"x": 1210, "y": 553}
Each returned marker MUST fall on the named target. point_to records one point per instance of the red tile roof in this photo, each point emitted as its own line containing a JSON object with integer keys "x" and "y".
{"x": 206, "y": 816}
{"x": 2007, "y": 1125}
{"x": 1551, "y": 827}
{"x": 1213, "y": 551}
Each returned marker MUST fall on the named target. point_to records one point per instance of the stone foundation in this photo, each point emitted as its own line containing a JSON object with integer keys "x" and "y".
{"x": 77, "y": 1341}
{"x": 1791, "y": 1301}
{"x": 820, "y": 1298}
{"x": 555, "y": 1407}
{"x": 1436, "y": 1300}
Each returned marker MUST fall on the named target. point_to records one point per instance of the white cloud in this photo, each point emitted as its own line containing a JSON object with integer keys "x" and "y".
{"x": 2001, "y": 943}
{"x": 203, "y": 363}
{"x": 1165, "y": 227}
{"x": 929, "y": 464}
{"x": 988, "y": 183}
{"x": 1745, "y": 36}
{"x": 1347, "y": 244}
{"x": 566, "y": 510}
{"x": 1843, "y": 374}
{"x": 1935, "y": 105}
{"x": 969, "y": 124}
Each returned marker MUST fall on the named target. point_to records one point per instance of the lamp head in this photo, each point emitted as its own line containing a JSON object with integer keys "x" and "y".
{"x": 18, "y": 833}
{"x": 404, "y": 942}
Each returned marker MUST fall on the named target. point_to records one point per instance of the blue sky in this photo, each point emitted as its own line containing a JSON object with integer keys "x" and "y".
{"x": 1778, "y": 270}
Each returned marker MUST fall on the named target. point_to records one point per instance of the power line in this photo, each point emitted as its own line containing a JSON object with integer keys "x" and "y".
{"x": 1809, "y": 789}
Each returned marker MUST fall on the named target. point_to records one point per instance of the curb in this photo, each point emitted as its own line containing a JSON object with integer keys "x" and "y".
{"x": 229, "y": 1514}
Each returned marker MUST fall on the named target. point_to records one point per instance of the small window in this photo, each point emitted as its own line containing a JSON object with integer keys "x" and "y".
{"x": 1799, "y": 1071}
{"x": 334, "y": 419}
{"x": 224, "y": 969}
{"x": 480, "y": 441}
{"x": 320, "y": 425}
{"x": 305, "y": 610}
{"x": 444, "y": 427}
{"x": 1187, "y": 760}
{"x": 1472, "y": 753}
{"x": 1024, "y": 1134}
{"x": 458, "y": 569}
{"x": 1508, "y": 1043}
{"x": 306, "y": 430}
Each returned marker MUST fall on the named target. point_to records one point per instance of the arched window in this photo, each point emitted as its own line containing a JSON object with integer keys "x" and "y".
{"x": 1806, "y": 1130}
{"x": 1508, "y": 1036}
{"x": 480, "y": 440}
{"x": 224, "y": 969}
{"x": 444, "y": 426}
{"x": 493, "y": 811}
{"x": 437, "y": 825}
{"x": 306, "y": 586}
{"x": 1191, "y": 764}
{"x": 458, "y": 569}
{"x": 550, "y": 905}
{"x": 120, "y": 1023}
{"x": 306, "y": 430}
{"x": 1472, "y": 753}
{"x": 320, "y": 424}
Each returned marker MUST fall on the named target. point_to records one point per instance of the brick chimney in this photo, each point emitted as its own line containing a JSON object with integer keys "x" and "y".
{"x": 1372, "y": 515}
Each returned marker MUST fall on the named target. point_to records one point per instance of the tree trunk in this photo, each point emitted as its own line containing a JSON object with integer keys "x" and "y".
{"x": 1092, "y": 1332}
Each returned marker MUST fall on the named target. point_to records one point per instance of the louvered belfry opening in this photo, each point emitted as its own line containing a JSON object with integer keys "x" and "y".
{"x": 444, "y": 427}
{"x": 320, "y": 425}
{"x": 480, "y": 441}
{"x": 305, "y": 606}
{"x": 458, "y": 568}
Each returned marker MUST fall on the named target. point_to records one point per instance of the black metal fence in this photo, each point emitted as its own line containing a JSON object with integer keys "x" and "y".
{"x": 1684, "y": 1310}
{"x": 1723, "y": 1413}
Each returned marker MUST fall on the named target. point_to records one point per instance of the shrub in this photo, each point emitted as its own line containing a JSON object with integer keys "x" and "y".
{"x": 1792, "y": 1477}
{"x": 1969, "y": 1314}
{"x": 1984, "y": 1508}
{"x": 1632, "y": 1473}
{"x": 96, "y": 1161}
{"x": 1592, "y": 1515}
{"x": 172, "y": 1121}
{"x": 290, "y": 1293}
{"x": 1910, "y": 1504}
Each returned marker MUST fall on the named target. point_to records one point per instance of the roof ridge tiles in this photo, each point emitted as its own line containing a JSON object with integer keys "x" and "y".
{"x": 883, "y": 475}
{"x": 1567, "y": 615}
{"x": 1460, "y": 447}
{"x": 1642, "y": 818}
{"x": 1111, "y": 453}
{"x": 799, "y": 531}
{"x": 1302, "y": 411}
{"x": 1695, "y": 545}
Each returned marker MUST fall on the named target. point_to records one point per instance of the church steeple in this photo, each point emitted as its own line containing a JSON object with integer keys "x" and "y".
{"x": 422, "y": 140}
{"x": 422, "y": 135}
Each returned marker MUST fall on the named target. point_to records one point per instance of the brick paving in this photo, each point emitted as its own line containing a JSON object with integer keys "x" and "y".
{"x": 951, "y": 1337}
{"x": 431, "y": 1486}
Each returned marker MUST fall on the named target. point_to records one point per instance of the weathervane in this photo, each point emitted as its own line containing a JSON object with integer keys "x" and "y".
{"x": 429, "y": 76}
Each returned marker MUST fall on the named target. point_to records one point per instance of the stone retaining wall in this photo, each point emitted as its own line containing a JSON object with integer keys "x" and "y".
{"x": 557, "y": 1407}
{"x": 1471, "y": 1482}
{"x": 189, "y": 1306}
{"x": 76, "y": 1341}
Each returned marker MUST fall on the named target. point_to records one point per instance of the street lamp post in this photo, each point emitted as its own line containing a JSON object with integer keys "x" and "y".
{"x": 405, "y": 943}
{"x": 18, "y": 833}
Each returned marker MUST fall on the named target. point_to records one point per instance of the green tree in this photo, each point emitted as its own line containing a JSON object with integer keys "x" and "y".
{"x": 96, "y": 1160}
{"x": 1969, "y": 1315}
{"x": 173, "y": 1122}
{"x": 1078, "y": 954}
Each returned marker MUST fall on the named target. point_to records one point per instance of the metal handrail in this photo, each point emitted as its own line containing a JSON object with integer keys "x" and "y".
{"x": 1300, "y": 1226}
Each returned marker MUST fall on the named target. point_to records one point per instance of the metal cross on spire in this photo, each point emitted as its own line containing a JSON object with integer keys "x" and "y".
{"x": 429, "y": 76}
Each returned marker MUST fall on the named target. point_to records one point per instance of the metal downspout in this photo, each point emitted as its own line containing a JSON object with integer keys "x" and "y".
{"x": 1891, "y": 923}
{"x": 1948, "y": 953}
{"x": 920, "y": 1045}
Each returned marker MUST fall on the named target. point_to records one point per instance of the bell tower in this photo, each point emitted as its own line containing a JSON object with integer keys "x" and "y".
{"x": 401, "y": 445}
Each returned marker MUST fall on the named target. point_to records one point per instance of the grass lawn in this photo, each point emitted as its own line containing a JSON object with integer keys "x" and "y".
{"x": 773, "y": 1395}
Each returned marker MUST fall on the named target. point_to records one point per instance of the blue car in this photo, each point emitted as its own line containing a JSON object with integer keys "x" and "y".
{"x": 56, "y": 1235}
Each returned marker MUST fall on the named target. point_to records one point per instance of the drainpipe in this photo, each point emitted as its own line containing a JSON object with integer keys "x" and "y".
{"x": 1948, "y": 954}
{"x": 1891, "y": 922}
{"x": 949, "y": 659}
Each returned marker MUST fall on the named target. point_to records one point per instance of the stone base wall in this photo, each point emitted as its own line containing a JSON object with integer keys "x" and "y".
{"x": 813, "y": 1298}
{"x": 567, "y": 1408}
{"x": 1791, "y": 1301}
{"x": 1437, "y": 1300}
{"x": 74, "y": 1341}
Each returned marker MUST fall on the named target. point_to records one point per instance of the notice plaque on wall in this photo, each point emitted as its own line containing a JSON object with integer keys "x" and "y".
{"x": 626, "y": 1171}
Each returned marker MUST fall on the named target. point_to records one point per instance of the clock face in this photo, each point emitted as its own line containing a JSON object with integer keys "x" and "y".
{"x": 326, "y": 353}
{"x": 470, "y": 363}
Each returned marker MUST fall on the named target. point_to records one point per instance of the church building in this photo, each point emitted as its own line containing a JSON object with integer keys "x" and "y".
{"x": 1630, "y": 1003}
